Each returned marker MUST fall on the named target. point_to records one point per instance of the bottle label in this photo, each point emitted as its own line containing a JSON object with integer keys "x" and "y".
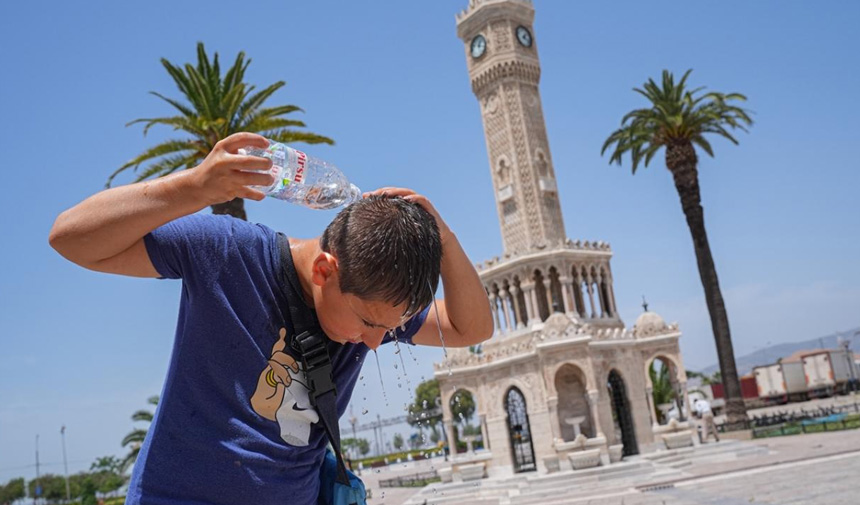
{"x": 294, "y": 162}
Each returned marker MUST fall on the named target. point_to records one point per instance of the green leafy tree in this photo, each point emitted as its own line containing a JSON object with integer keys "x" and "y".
{"x": 53, "y": 487}
{"x": 423, "y": 412}
{"x": 215, "y": 107}
{"x": 88, "y": 490}
{"x": 108, "y": 474}
{"x": 363, "y": 446}
{"x": 13, "y": 490}
{"x": 135, "y": 439}
{"x": 398, "y": 441}
{"x": 462, "y": 407}
{"x": 679, "y": 119}
{"x": 359, "y": 444}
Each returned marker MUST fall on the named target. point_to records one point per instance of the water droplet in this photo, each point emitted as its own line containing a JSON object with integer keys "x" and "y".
{"x": 361, "y": 377}
{"x": 363, "y": 411}
{"x": 395, "y": 366}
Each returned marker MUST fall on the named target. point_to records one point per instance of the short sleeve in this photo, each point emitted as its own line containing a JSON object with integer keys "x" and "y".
{"x": 202, "y": 245}
{"x": 409, "y": 329}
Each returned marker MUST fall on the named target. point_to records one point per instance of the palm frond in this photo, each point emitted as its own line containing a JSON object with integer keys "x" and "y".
{"x": 142, "y": 415}
{"x": 167, "y": 147}
{"x": 170, "y": 164}
{"x": 253, "y": 102}
{"x": 290, "y": 136}
{"x": 187, "y": 112}
{"x": 136, "y": 436}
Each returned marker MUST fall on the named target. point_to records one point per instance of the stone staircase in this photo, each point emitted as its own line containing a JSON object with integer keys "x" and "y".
{"x": 726, "y": 450}
{"x": 571, "y": 486}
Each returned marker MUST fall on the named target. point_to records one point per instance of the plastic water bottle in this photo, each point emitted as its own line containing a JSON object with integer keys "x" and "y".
{"x": 303, "y": 179}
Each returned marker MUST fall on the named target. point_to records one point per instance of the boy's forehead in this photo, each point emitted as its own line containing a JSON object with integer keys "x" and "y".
{"x": 378, "y": 312}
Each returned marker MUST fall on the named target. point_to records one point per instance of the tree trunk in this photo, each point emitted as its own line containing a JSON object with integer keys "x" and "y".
{"x": 235, "y": 208}
{"x": 681, "y": 161}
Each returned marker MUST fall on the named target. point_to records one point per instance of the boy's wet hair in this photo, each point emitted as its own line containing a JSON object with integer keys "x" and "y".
{"x": 388, "y": 249}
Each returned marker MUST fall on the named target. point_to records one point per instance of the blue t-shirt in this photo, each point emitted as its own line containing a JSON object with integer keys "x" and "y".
{"x": 234, "y": 424}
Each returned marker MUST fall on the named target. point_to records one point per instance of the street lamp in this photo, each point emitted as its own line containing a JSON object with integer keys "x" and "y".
{"x": 849, "y": 355}
{"x": 37, "y": 489}
{"x": 65, "y": 464}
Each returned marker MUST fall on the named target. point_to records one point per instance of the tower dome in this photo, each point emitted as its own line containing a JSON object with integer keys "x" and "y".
{"x": 649, "y": 324}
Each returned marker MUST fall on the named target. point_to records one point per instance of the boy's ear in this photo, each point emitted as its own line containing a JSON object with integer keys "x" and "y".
{"x": 324, "y": 268}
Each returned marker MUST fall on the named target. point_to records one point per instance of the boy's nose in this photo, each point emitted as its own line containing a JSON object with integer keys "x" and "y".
{"x": 373, "y": 339}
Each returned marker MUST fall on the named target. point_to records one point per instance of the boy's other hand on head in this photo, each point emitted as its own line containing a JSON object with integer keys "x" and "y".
{"x": 412, "y": 196}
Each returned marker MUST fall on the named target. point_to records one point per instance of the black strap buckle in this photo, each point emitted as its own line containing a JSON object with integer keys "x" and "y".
{"x": 317, "y": 363}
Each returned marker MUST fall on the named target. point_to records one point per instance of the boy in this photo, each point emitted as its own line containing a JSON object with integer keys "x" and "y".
{"x": 234, "y": 424}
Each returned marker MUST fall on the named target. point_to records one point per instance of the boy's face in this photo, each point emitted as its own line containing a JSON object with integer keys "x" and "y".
{"x": 346, "y": 318}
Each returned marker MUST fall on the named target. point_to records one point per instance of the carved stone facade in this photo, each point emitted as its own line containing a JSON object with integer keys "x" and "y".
{"x": 505, "y": 79}
{"x": 562, "y": 378}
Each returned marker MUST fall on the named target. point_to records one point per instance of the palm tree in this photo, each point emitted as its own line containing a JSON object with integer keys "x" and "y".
{"x": 136, "y": 437}
{"x": 678, "y": 119}
{"x": 217, "y": 107}
{"x": 661, "y": 387}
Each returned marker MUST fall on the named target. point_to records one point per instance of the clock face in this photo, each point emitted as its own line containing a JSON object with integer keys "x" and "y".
{"x": 479, "y": 45}
{"x": 524, "y": 36}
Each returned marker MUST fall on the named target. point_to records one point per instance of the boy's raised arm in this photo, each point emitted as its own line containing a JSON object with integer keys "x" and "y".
{"x": 105, "y": 232}
{"x": 464, "y": 315}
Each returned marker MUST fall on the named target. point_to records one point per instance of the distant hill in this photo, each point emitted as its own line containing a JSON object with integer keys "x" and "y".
{"x": 769, "y": 355}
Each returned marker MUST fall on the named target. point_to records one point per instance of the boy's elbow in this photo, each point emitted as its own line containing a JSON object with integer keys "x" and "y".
{"x": 487, "y": 330}
{"x": 61, "y": 238}
{"x": 56, "y": 235}
{"x": 483, "y": 331}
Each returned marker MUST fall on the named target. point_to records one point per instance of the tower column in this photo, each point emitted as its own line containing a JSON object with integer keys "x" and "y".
{"x": 612, "y": 298}
{"x": 535, "y": 305}
{"x": 592, "y": 398}
{"x": 547, "y": 285}
{"x": 565, "y": 285}
{"x": 601, "y": 298}
{"x": 652, "y": 411}
{"x": 554, "y": 425}
{"x": 576, "y": 286}
{"x": 493, "y": 300}
{"x": 504, "y": 296}
{"x": 452, "y": 441}
{"x": 485, "y": 437}
{"x": 515, "y": 296}
{"x": 590, "y": 285}
{"x": 528, "y": 291}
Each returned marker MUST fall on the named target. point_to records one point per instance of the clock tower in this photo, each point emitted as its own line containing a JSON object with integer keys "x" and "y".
{"x": 504, "y": 70}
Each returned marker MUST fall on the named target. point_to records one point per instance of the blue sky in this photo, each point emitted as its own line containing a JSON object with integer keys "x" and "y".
{"x": 387, "y": 80}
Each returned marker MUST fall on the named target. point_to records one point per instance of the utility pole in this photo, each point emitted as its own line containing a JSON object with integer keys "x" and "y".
{"x": 353, "y": 420}
{"x": 37, "y": 490}
{"x": 378, "y": 436}
{"x": 65, "y": 464}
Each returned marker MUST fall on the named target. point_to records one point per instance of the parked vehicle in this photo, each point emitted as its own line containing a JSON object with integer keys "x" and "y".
{"x": 749, "y": 391}
{"x": 770, "y": 383}
{"x": 795, "y": 380}
{"x": 827, "y": 372}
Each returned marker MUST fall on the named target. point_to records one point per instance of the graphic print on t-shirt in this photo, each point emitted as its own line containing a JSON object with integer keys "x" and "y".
{"x": 282, "y": 396}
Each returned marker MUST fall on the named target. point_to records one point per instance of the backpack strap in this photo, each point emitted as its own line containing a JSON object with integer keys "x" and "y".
{"x": 311, "y": 345}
